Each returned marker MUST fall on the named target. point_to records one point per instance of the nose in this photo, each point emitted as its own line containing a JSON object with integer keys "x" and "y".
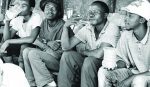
{"x": 91, "y": 15}
{"x": 126, "y": 19}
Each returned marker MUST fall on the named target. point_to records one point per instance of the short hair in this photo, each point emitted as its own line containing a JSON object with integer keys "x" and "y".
{"x": 59, "y": 7}
{"x": 101, "y": 4}
{"x": 32, "y": 3}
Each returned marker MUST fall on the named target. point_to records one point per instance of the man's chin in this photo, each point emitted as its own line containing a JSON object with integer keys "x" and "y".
{"x": 92, "y": 23}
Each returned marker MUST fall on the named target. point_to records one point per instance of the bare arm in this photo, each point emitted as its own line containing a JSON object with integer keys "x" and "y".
{"x": 29, "y": 39}
{"x": 8, "y": 32}
{"x": 66, "y": 42}
{"x": 97, "y": 53}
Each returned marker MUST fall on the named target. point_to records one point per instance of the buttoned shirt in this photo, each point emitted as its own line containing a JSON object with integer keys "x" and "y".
{"x": 135, "y": 53}
{"x": 109, "y": 34}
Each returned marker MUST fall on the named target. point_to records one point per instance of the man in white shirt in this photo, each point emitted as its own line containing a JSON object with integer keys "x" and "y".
{"x": 133, "y": 50}
{"x": 82, "y": 65}
{"x": 25, "y": 25}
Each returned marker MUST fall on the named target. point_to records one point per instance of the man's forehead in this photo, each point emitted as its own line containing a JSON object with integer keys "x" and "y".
{"x": 22, "y": 2}
{"x": 95, "y": 7}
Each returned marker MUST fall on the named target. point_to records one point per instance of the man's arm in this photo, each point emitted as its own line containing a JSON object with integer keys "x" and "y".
{"x": 8, "y": 32}
{"x": 66, "y": 42}
{"x": 97, "y": 53}
{"x": 29, "y": 39}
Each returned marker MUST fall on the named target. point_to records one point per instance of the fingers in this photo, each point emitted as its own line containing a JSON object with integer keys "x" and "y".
{"x": 58, "y": 40}
{"x": 109, "y": 69}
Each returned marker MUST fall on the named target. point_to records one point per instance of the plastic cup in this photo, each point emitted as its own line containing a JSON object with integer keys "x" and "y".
{"x": 110, "y": 57}
{"x": 13, "y": 11}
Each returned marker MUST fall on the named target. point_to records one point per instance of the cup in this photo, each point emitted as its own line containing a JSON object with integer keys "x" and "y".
{"x": 110, "y": 58}
{"x": 13, "y": 11}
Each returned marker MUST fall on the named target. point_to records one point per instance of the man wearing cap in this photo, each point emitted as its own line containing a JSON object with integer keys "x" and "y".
{"x": 133, "y": 51}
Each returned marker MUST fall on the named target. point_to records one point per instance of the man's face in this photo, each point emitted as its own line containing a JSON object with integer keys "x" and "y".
{"x": 24, "y": 4}
{"x": 132, "y": 20}
{"x": 50, "y": 11}
{"x": 95, "y": 15}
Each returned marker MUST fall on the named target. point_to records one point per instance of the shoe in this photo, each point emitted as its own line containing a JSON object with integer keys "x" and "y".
{"x": 51, "y": 84}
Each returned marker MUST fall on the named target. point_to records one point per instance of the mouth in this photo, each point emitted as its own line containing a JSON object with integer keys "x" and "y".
{"x": 91, "y": 19}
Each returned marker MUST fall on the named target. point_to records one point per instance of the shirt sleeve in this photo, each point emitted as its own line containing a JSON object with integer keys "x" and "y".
{"x": 37, "y": 20}
{"x": 81, "y": 34}
{"x": 121, "y": 49}
{"x": 112, "y": 34}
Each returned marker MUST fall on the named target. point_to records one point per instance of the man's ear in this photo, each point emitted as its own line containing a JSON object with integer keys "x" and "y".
{"x": 31, "y": 9}
{"x": 142, "y": 20}
{"x": 106, "y": 15}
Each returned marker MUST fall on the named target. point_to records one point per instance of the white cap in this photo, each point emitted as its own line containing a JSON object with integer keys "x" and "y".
{"x": 139, "y": 7}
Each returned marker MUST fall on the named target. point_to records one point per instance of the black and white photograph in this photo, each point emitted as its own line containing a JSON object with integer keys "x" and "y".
{"x": 74, "y": 43}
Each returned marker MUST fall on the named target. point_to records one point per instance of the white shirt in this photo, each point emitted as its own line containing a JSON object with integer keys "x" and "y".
{"x": 13, "y": 76}
{"x": 134, "y": 53}
{"x": 24, "y": 29}
{"x": 109, "y": 34}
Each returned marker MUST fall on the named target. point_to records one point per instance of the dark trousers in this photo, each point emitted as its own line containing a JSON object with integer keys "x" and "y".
{"x": 78, "y": 71}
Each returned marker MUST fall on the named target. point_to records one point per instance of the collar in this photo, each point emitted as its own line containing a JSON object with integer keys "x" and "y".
{"x": 91, "y": 28}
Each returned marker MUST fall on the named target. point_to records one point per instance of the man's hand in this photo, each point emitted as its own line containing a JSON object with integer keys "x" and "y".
{"x": 4, "y": 46}
{"x": 72, "y": 21}
{"x": 79, "y": 26}
{"x": 54, "y": 45}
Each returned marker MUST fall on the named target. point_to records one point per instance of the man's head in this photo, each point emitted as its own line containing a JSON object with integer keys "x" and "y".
{"x": 137, "y": 13}
{"x": 52, "y": 9}
{"x": 26, "y": 5}
{"x": 133, "y": 20}
{"x": 98, "y": 12}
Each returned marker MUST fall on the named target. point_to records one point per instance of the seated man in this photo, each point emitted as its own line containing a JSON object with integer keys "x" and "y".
{"x": 133, "y": 50}
{"x": 42, "y": 61}
{"x": 25, "y": 25}
{"x": 94, "y": 36}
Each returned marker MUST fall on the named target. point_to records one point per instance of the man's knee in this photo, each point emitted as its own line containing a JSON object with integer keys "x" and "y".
{"x": 66, "y": 56}
{"x": 139, "y": 81}
{"x": 25, "y": 53}
{"x": 33, "y": 54}
{"x": 104, "y": 77}
{"x": 103, "y": 73}
{"x": 89, "y": 63}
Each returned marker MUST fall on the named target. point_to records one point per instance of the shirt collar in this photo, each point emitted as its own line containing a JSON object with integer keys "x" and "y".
{"x": 91, "y": 28}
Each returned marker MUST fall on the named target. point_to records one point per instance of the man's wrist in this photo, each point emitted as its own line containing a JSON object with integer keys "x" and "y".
{"x": 44, "y": 47}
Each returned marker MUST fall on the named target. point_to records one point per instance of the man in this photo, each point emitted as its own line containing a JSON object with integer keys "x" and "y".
{"x": 25, "y": 25}
{"x": 132, "y": 50}
{"x": 93, "y": 37}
